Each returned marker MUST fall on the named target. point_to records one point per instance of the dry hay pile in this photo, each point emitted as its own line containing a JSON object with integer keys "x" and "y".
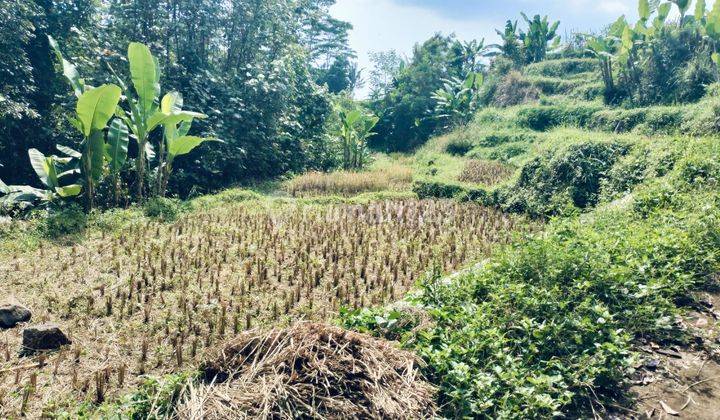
{"x": 310, "y": 371}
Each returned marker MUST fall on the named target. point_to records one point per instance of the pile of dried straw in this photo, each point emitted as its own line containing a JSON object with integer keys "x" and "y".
{"x": 310, "y": 371}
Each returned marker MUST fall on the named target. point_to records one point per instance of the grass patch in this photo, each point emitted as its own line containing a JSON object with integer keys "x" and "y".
{"x": 350, "y": 183}
{"x": 485, "y": 172}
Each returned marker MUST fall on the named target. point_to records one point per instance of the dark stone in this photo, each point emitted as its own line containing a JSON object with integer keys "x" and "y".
{"x": 652, "y": 364}
{"x": 41, "y": 338}
{"x": 11, "y": 315}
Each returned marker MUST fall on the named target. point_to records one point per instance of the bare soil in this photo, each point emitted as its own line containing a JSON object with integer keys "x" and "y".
{"x": 681, "y": 383}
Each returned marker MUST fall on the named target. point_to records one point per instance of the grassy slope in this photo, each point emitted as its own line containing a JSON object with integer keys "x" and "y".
{"x": 548, "y": 327}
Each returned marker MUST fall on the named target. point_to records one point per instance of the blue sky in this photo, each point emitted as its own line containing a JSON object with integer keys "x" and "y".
{"x": 381, "y": 25}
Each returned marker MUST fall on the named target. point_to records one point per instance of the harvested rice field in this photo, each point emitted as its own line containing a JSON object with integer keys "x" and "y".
{"x": 150, "y": 300}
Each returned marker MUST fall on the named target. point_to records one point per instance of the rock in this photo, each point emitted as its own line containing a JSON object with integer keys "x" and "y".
{"x": 11, "y": 315}
{"x": 43, "y": 337}
{"x": 652, "y": 364}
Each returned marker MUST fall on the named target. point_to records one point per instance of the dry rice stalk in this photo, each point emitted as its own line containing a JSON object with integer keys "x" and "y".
{"x": 310, "y": 371}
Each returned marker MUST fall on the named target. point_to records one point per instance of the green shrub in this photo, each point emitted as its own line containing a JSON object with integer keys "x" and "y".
{"x": 588, "y": 91}
{"x": 458, "y": 147}
{"x": 508, "y": 151}
{"x": 656, "y": 197}
{"x": 435, "y": 189}
{"x": 116, "y": 219}
{"x": 64, "y": 221}
{"x": 664, "y": 120}
{"x": 562, "y": 68}
{"x": 499, "y": 138}
{"x": 697, "y": 171}
{"x": 550, "y": 321}
{"x": 549, "y": 183}
{"x": 162, "y": 209}
{"x": 618, "y": 120}
{"x": 477, "y": 195}
{"x": 553, "y": 85}
{"x": 545, "y": 117}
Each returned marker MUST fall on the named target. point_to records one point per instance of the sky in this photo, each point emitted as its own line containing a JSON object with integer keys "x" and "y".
{"x": 381, "y": 25}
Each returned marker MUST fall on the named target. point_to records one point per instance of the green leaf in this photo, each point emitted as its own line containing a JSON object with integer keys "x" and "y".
{"x": 713, "y": 22}
{"x": 617, "y": 28}
{"x": 160, "y": 118}
{"x": 95, "y": 107}
{"x": 184, "y": 145}
{"x": 69, "y": 191}
{"x": 683, "y": 5}
{"x": 700, "y": 9}
{"x": 171, "y": 103}
{"x": 96, "y": 151}
{"x": 644, "y": 9}
{"x": 144, "y": 75}
{"x": 716, "y": 59}
{"x": 44, "y": 168}
{"x": 68, "y": 151}
{"x": 663, "y": 12}
{"x": 69, "y": 70}
{"x": 116, "y": 148}
{"x": 627, "y": 38}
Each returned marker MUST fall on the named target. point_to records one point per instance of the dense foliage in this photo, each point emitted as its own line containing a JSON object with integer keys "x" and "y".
{"x": 262, "y": 71}
{"x": 545, "y": 329}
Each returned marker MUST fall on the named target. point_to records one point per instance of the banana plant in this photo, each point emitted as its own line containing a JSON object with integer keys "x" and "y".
{"x": 458, "y": 99}
{"x": 603, "y": 48}
{"x": 355, "y": 128}
{"x": 51, "y": 170}
{"x": 69, "y": 70}
{"x": 683, "y": 6}
{"x": 539, "y": 34}
{"x": 116, "y": 152}
{"x": 510, "y": 46}
{"x": 712, "y": 29}
{"x": 144, "y": 113}
{"x": 176, "y": 141}
{"x": 95, "y": 108}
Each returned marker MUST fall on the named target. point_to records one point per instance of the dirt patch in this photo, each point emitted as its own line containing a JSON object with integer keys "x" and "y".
{"x": 311, "y": 371}
{"x": 681, "y": 383}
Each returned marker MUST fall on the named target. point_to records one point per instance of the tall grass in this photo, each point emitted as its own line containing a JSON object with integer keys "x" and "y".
{"x": 391, "y": 177}
{"x": 485, "y": 172}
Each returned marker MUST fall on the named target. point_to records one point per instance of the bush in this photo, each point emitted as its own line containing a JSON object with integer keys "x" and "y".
{"x": 508, "y": 151}
{"x": 554, "y": 86}
{"x": 434, "y": 189}
{"x": 697, "y": 171}
{"x": 64, "y": 221}
{"x": 458, "y": 147}
{"x": 551, "y": 182}
{"x": 546, "y": 117}
{"x": 500, "y": 138}
{"x": 588, "y": 91}
{"x": 549, "y": 320}
{"x": 562, "y": 68}
{"x": 230, "y": 196}
{"x": 163, "y": 209}
{"x": 618, "y": 120}
{"x": 514, "y": 89}
{"x": 663, "y": 120}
